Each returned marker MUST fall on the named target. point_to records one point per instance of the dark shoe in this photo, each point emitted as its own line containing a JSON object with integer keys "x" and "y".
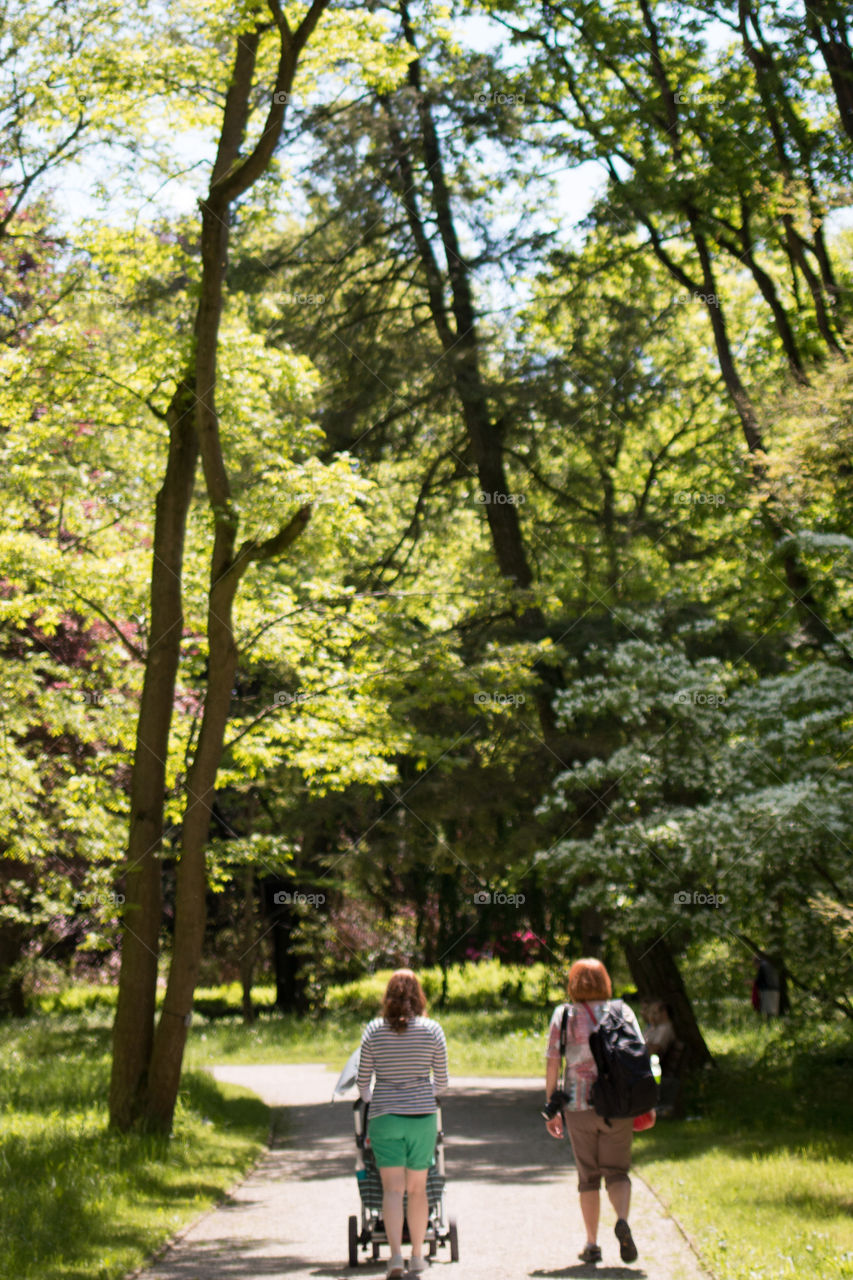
{"x": 627, "y": 1248}
{"x": 590, "y": 1253}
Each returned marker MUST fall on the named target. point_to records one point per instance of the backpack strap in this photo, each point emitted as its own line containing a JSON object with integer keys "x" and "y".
{"x": 596, "y": 1022}
{"x": 563, "y": 1029}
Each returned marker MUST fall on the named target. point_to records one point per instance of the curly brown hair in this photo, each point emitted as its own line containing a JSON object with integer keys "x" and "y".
{"x": 404, "y": 999}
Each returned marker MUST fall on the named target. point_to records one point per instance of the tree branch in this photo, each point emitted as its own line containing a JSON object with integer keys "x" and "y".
{"x": 272, "y": 547}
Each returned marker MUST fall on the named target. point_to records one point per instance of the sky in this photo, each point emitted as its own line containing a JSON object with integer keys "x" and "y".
{"x": 76, "y": 187}
{"x": 76, "y": 190}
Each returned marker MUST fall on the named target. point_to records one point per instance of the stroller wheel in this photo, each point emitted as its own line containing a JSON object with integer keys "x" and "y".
{"x": 453, "y": 1235}
{"x": 353, "y": 1241}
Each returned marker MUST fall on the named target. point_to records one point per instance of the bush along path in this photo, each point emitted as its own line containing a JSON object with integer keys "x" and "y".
{"x": 510, "y": 1188}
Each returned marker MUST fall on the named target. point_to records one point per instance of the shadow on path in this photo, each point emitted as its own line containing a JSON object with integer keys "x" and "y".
{"x": 490, "y": 1136}
{"x": 510, "y": 1186}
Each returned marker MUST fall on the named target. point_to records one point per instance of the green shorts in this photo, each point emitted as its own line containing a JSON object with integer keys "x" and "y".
{"x": 403, "y": 1142}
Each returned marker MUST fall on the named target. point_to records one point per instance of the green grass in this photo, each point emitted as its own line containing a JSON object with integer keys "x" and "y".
{"x": 79, "y": 1202}
{"x": 499, "y": 1042}
{"x": 760, "y": 1172}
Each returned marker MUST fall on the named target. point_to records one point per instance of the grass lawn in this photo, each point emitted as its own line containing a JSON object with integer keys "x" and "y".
{"x": 759, "y": 1172}
{"x": 498, "y": 1042}
{"x": 80, "y": 1203}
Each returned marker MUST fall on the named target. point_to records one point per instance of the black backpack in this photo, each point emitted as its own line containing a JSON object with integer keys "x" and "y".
{"x": 625, "y": 1084}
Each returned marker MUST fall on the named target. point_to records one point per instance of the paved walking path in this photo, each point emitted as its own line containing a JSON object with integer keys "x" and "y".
{"x": 509, "y": 1187}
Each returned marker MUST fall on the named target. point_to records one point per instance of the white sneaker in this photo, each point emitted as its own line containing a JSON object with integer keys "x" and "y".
{"x": 396, "y": 1267}
{"x": 416, "y": 1266}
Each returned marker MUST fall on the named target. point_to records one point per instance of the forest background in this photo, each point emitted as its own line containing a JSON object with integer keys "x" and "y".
{"x": 396, "y": 566}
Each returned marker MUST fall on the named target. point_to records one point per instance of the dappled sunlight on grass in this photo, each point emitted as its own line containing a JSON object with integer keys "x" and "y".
{"x": 79, "y": 1201}
{"x": 496, "y": 1042}
{"x": 760, "y": 1172}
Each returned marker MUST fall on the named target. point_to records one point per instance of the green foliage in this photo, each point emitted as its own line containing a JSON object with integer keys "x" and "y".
{"x": 486, "y": 985}
{"x": 78, "y": 1199}
{"x": 758, "y": 1193}
{"x": 725, "y": 802}
{"x": 385, "y": 738}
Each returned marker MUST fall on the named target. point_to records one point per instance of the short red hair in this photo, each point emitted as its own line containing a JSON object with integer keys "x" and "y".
{"x": 589, "y": 980}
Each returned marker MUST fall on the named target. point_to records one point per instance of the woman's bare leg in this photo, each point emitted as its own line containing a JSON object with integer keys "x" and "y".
{"x": 590, "y": 1210}
{"x": 417, "y": 1208}
{"x": 393, "y": 1185}
{"x": 620, "y": 1198}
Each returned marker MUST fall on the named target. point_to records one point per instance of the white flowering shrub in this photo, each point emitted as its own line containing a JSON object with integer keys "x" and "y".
{"x": 723, "y": 805}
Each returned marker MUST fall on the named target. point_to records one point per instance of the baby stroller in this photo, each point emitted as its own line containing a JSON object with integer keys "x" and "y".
{"x": 369, "y": 1234}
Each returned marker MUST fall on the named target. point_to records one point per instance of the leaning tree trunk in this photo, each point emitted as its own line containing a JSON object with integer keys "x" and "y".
{"x": 826, "y": 22}
{"x": 190, "y": 907}
{"x": 797, "y": 577}
{"x": 227, "y": 569}
{"x": 457, "y": 329}
{"x": 656, "y": 977}
{"x": 146, "y": 1071}
{"x": 133, "y": 1029}
{"x": 228, "y": 563}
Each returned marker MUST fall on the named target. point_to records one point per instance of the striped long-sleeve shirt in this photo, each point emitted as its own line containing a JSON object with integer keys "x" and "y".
{"x": 410, "y": 1067}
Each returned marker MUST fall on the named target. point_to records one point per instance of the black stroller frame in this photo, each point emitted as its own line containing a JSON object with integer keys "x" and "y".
{"x": 370, "y": 1234}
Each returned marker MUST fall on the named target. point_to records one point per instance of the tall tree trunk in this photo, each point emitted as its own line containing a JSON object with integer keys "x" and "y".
{"x": 146, "y": 1067}
{"x": 247, "y": 940}
{"x": 457, "y": 329}
{"x": 780, "y": 113}
{"x": 656, "y": 976}
{"x": 797, "y": 577}
{"x": 133, "y": 1029}
{"x": 190, "y": 905}
{"x": 227, "y": 569}
{"x": 592, "y": 931}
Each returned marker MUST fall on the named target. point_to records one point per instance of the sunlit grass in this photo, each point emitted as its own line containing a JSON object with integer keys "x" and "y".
{"x": 499, "y": 1042}
{"x": 79, "y": 1202}
{"x": 770, "y": 1214}
{"x": 760, "y": 1171}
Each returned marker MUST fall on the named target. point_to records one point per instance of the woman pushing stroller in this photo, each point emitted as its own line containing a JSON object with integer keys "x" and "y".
{"x": 407, "y": 1054}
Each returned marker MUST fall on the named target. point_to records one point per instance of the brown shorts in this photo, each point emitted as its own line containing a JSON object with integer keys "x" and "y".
{"x": 600, "y": 1149}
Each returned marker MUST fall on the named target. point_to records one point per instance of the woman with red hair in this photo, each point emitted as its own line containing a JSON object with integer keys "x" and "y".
{"x": 602, "y": 1148}
{"x": 407, "y": 1054}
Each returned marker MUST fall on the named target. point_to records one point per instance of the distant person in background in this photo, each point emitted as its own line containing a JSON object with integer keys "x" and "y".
{"x": 662, "y": 1042}
{"x": 602, "y": 1148}
{"x": 768, "y": 986}
{"x": 407, "y": 1054}
{"x": 659, "y": 1035}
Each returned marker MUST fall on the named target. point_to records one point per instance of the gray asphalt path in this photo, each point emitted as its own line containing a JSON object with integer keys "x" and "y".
{"x": 510, "y": 1187}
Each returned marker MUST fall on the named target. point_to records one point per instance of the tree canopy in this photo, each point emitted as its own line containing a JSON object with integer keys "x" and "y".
{"x": 377, "y": 532}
